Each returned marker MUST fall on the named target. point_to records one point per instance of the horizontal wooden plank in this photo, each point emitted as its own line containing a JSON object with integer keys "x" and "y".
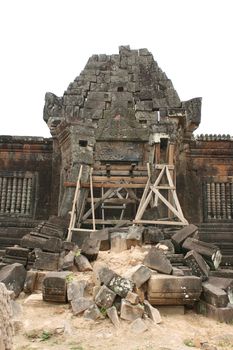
{"x": 107, "y": 222}
{"x": 159, "y": 222}
{"x": 120, "y": 167}
{"x": 114, "y": 200}
{"x": 109, "y": 185}
{"x": 138, "y": 179}
{"x": 119, "y": 173}
{"x": 161, "y": 166}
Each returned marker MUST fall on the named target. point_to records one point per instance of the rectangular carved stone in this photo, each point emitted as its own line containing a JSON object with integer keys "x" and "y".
{"x": 54, "y": 286}
{"x": 197, "y": 264}
{"x": 46, "y": 261}
{"x": 214, "y": 295}
{"x": 157, "y": 260}
{"x": 223, "y": 314}
{"x": 180, "y": 236}
{"x": 173, "y": 290}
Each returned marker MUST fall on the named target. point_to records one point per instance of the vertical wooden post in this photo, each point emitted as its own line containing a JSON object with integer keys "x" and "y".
{"x": 92, "y": 200}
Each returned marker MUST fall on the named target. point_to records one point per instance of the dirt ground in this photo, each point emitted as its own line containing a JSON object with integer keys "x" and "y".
{"x": 41, "y": 325}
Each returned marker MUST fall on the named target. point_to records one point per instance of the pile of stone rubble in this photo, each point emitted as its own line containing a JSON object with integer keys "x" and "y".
{"x": 177, "y": 269}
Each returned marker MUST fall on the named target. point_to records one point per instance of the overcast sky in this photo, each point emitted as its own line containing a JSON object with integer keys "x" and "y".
{"x": 46, "y": 43}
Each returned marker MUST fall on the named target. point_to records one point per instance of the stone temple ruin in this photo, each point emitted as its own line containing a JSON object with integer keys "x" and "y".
{"x": 122, "y": 166}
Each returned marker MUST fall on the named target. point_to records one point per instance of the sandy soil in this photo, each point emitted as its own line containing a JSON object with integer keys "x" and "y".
{"x": 40, "y": 325}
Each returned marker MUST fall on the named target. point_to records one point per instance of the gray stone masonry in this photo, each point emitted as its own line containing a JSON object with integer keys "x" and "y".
{"x": 105, "y": 297}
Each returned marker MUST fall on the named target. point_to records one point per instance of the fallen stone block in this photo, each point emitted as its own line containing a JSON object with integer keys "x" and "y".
{"x": 102, "y": 274}
{"x": 152, "y": 312}
{"x": 16, "y": 255}
{"x": 75, "y": 289}
{"x": 167, "y": 246}
{"x": 177, "y": 272}
{"x": 133, "y": 298}
{"x": 113, "y": 316}
{"x": 223, "y": 314}
{"x": 118, "y": 242}
{"x": 82, "y": 263}
{"x": 197, "y": 264}
{"x": 68, "y": 261}
{"x": 105, "y": 297}
{"x": 121, "y": 286}
{"x": 13, "y": 276}
{"x": 138, "y": 326}
{"x": 81, "y": 304}
{"x": 173, "y": 290}
{"x": 54, "y": 286}
{"x": 157, "y": 260}
{"x": 131, "y": 312}
{"x": 214, "y": 295}
{"x": 35, "y": 300}
{"x": 66, "y": 245}
{"x": 134, "y": 236}
{"x": 224, "y": 283}
{"x": 46, "y": 261}
{"x": 224, "y": 273}
{"x": 152, "y": 235}
{"x": 39, "y": 280}
{"x": 93, "y": 313}
{"x": 34, "y": 240}
{"x": 180, "y": 236}
{"x": 210, "y": 252}
{"x": 30, "y": 282}
{"x": 139, "y": 274}
{"x": 175, "y": 259}
{"x": 90, "y": 248}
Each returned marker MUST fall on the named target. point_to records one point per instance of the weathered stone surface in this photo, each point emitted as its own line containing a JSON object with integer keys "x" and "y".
{"x": 197, "y": 264}
{"x": 68, "y": 245}
{"x": 46, "y": 261}
{"x": 180, "y": 236}
{"x": 113, "y": 315}
{"x": 133, "y": 298}
{"x": 152, "y": 312}
{"x": 54, "y": 286}
{"x": 6, "y": 324}
{"x": 166, "y": 246}
{"x": 210, "y": 252}
{"x": 152, "y": 235}
{"x": 82, "y": 263}
{"x": 81, "y": 304}
{"x": 68, "y": 261}
{"x": 173, "y": 290}
{"x": 134, "y": 236}
{"x": 105, "y": 297}
{"x": 75, "y": 289}
{"x": 102, "y": 274}
{"x": 131, "y": 312}
{"x": 157, "y": 260}
{"x": 30, "y": 282}
{"x": 16, "y": 255}
{"x": 93, "y": 313}
{"x": 139, "y": 274}
{"x": 214, "y": 295}
{"x": 224, "y": 283}
{"x": 13, "y": 276}
{"x": 121, "y": 286}
{"x": 118, "y": 242}
{"x": 138, "y": 326}
{"x": 223, "y": 314}
{"x": 90, "y": 248}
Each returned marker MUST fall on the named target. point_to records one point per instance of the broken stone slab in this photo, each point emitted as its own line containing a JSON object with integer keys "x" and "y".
{"x": 75, "y": 289}
{"x": 133, "y": 298}
{"x": 134, "y": 236}
{"x": 121, "y": 286}
{"x": 93, "y": 313}
{"x": 152, "y": 235}
{"x": 139, "y": 274}
{"x": 156, "y": 260}
{"x": 214, "y": 295}
{"x": 210, "y": 252}
{"x": 34, "y": 240}
{"x": 105, "y": 297}
{"x": 113, "y": 316}
{"x": 102, "y": 274}
{"x": 197, "y": 264}
{"x": 13, "y": 276}
{"x": 131, "y": 312}
{"x": 54, "y": 286}
{"x": 46, "y": 261}
{"x": 138, "y": 326}
{"x": 224, "y": 283}
{"x": 167, "y": 246}
{"x": 81, "y": 304}
{"x": 118, "y": 242}
{"x": 82, "y": 263}
{"x": 16, "y": 255}
{"x": 90, "y": 248}
{"x": 30, "y": 282}
{"x": 223, "y": 314}
{"x": 152, "y": 312}
{"x": 173, "y": 290}
{"x": 180, "y": 236}
{"x": 68, "y": 261}
{"x": 66, "y": 245}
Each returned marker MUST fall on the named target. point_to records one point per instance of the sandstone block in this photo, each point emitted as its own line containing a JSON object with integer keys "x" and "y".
{"x": 68, "y": 261}
{"x": 90, "y": 248}
{"x": 152, "y": 312}
{"x": 105, "y": 297}
{"x": 134, "y": 236}
{"x": 121, "y": 286}
{"x": 92, "y": 313}
{"x": 118, "y": 243}
{"x": 113, "y": 315}
{"x": 30, "y": 282}
{"x": 75, "y": 289}
{"x": 157, "y": 260}
{"x": 131, "y": 312}
{"x": 138, "y": 326}
{"x": 214, "y": 295}
{"x": 139, "y": 274}
{"x": 82, "y": 263}
{"x": 197, "y": 264}
{"x": 180, "y": 236}
{"x": 13, "y": 276}
{"x": 46, "y": 261}
{"x": 133, "y": 298}
{"x": 102, "y": 274}
{"x": 54, "y": 286}
{"x": 81, "y": 304}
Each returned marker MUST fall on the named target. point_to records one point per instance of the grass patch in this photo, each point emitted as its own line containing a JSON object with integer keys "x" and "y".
{"x": 189, "y": 342}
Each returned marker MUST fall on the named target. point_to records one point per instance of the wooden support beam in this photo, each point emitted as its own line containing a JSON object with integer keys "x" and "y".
{"x": 138, "y": 179}
{"x": 108, "y": 222}
{"x": 92, "y": 202}
{"x": 112, "y": 185}
{"x": 159, "y": 222}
